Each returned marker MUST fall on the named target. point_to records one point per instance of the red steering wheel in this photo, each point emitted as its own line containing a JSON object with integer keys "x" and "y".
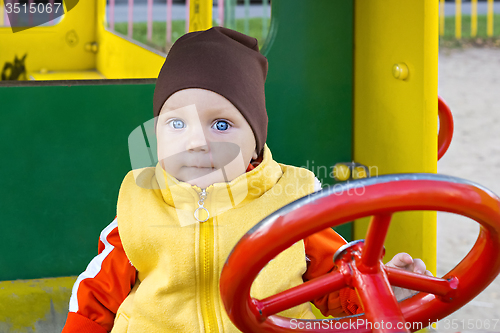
{"x": 359, "y": 264}
{"x": 445, "y": 127}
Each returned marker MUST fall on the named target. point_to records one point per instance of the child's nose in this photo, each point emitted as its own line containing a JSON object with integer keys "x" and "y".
{"x": 197, "y": 141}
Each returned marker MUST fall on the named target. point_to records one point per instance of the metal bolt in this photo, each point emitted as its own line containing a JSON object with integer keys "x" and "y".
{"x": 400, "y": 71}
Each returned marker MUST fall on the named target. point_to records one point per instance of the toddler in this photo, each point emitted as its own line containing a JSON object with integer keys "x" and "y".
{"x": 160, "y": 260}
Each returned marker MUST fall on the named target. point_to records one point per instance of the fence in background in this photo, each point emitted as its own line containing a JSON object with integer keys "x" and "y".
{"x": 482, "y": 23}
{"x": 160, "y": 24}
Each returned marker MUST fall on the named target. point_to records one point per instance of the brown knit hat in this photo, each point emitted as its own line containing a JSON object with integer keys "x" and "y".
{"x": 224, "y": 61}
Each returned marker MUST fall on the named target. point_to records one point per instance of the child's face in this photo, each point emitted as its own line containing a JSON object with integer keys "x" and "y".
{"x": 198, "y": 133}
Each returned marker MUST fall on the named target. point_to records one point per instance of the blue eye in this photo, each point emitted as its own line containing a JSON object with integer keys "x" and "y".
{"x": 177, "y": 123}
{"x": 222, "y": 125}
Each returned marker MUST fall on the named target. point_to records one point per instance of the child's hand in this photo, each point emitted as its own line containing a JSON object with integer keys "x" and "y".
{"x": 406, "y": 262}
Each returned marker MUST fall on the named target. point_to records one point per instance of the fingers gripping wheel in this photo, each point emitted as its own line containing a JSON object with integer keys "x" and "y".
{"x": 359, "y": 264}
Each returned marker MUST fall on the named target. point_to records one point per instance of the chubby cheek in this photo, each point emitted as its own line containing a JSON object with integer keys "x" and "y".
{"x": 226, "y": 148}
{"x": 247, "y": 149}
{"x": 224, "y": 153}
{"x": 170, "y": 167}
{"x": 169, "y": 159}
{"x": 168, "y": 144}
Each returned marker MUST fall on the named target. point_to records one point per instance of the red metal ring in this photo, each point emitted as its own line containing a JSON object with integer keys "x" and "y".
{"x": 445, "y": 127}
{"x": 335, "y": 206}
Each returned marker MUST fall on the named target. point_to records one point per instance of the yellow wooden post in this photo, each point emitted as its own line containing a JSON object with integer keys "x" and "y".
{"x": 489, "y": 31}
{"x": 441, "y": 17}
{"x": 200, "y": 15}
{"x": 458, "y": 19}
{"x": 473, "y": 23}
{"x": 395, "y": 116}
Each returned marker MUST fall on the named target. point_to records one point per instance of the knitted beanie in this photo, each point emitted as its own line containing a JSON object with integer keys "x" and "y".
{"x": 224, "y": 61}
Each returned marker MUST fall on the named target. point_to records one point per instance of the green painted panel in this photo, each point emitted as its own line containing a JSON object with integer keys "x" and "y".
{"x": 309, "y": 89}
{"x": 64, "y": 153}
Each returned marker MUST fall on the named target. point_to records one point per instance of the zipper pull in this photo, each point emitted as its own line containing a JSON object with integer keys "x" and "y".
{"x": 203, "y": 196}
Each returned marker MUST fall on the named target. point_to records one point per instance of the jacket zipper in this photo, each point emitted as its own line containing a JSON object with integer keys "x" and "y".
{"x": 203, "y": 196}
{"x": 206, "y": 266}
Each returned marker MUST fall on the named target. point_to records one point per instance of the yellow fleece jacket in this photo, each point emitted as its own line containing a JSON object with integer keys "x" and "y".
{"x": 179, "y": 260}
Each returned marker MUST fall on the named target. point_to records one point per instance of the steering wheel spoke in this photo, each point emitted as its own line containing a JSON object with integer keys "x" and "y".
{"x": 374, "y": 242}
{"x": 445, "y": 288}
{"x": 301, "y": 294}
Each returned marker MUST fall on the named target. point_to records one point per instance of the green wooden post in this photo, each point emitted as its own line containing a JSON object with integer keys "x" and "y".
{"x": 309, "y": 88}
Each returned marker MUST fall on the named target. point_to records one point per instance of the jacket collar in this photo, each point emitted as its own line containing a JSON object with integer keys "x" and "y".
{"x": 224, "y": 195}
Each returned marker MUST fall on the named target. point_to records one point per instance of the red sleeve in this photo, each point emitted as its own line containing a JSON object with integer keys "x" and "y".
{"x": 320, "y": 248}
{"x": 102, "y": 287}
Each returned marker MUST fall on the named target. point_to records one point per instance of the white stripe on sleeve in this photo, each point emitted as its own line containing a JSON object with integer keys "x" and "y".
{"x": 94, "y": 266}
{"x": 317, "y": 184}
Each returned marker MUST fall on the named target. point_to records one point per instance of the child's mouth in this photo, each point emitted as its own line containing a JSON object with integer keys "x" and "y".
{"x": 198, "y": 167}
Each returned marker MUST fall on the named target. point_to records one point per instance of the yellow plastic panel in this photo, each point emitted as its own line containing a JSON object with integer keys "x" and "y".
{"x": 395, "y": 119}
{"x": 67, "y": 75}
{"x": 118, "y": 57}
{"x": 54, "y": 48}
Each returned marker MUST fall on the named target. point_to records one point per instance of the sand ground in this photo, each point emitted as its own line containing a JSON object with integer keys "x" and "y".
{"x": 469, "y": 81}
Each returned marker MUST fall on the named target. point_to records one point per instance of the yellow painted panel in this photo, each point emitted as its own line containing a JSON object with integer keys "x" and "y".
{"x": 25, "y": 303}
{"x": 118, "y": 57}
{"x": 395, "y": 121}
{"x": 67, "y": 75}
{"x": 200, "y": 15}
{"x": 54, "y": 48}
